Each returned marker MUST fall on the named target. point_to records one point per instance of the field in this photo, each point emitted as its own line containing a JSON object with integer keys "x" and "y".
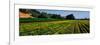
{"x": 54, "y": 27}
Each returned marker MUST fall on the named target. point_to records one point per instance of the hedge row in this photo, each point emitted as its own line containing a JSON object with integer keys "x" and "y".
{"x": 36, "y": 19}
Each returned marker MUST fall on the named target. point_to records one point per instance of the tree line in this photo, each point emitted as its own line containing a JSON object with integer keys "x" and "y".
{"x": 37, "y": 14}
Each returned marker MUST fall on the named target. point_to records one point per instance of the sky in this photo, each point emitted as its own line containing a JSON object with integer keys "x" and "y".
{"x": 77, "y": 14}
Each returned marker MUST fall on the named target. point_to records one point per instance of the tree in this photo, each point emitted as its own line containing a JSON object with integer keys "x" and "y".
{"x": 56, "y": 16}
{"x": 43, "y": 15}
{"x": 70, "y": 17}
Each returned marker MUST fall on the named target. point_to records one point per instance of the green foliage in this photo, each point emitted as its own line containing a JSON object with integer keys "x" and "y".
{"x": 27, "y": 20}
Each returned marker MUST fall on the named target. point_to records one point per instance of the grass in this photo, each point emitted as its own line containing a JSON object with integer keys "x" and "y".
{"x": 54, "y": 27}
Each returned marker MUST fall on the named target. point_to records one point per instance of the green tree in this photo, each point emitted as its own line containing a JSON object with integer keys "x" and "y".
{"x": 70, "y": 17}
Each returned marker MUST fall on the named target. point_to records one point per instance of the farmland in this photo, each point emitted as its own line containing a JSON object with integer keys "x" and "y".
{"x": 51, "y": 22}
{"x": 54, "y": 27}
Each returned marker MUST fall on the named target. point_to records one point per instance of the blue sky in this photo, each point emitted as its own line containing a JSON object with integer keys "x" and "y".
{"x": 77, "y": 14}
